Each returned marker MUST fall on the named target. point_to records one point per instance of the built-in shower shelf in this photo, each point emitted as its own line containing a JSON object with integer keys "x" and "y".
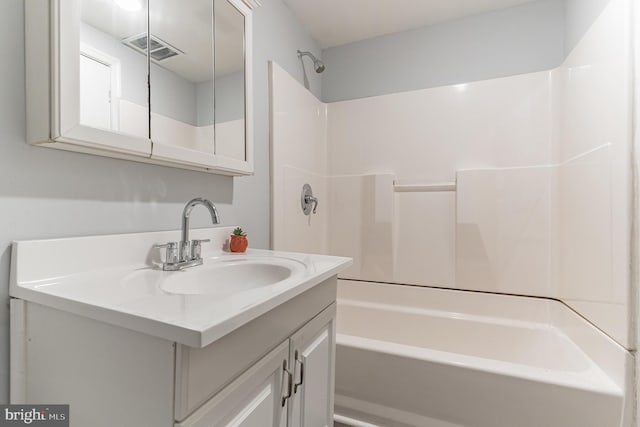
{"x": 423, "y": 188}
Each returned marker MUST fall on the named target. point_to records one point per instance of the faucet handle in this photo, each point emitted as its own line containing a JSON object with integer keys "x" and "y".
{"x": 196, "y": 248}
{"x": 171, "y": 253}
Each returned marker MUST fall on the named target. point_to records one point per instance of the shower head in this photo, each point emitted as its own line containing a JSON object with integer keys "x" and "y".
{"x": 317, "y": 64}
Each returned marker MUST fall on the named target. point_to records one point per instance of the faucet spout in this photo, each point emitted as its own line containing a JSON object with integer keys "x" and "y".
{"x": 215, "y": 218}
{"x": 188, "y": 253}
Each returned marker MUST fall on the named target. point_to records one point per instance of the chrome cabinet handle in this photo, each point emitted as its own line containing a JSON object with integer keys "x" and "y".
{"x": 289, "y": 383}
{"x": 299, "y": 383}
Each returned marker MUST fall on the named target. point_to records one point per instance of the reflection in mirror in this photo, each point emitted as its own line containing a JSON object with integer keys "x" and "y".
{"x": 181, "y": 73}
{"x": 229, "y": 81}
{"x": 113, "y": 78}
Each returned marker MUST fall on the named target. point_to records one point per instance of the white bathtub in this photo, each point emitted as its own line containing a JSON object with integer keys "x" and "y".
{"x": 424, "y": 357}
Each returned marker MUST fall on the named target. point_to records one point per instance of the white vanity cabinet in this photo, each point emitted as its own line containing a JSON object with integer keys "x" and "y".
{"x": 290, "y": 387}
{"x": 276, "y": 370}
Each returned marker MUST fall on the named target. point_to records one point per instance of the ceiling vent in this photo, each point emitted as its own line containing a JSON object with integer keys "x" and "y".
{"x": 159, "y": 49}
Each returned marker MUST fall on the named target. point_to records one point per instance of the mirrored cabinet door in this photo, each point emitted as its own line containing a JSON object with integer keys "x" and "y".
{"x": 229, "y": 83}
{"x": 232, "y": 84}
{"x": 98, "y": 93}
{"x": 135, "y": 79}
{"x": 113, "y": 76}
{"x": 181, "y": 65}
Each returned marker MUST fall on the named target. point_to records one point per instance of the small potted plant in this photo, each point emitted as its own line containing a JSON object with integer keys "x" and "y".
{"x": 238, "y": 241}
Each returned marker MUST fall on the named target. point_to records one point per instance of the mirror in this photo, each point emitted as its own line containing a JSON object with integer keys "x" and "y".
{"x": 229, "y": 99}
{"x": 113, "y": 77}
{"x": 181, "y": 70}
{"x": 165, "y": 80}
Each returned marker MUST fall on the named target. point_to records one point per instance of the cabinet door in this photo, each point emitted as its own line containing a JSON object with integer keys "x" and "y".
{"x": 255, "y": 399}
{"x": 85, "y": 90}
{"x": 313, "y": 360}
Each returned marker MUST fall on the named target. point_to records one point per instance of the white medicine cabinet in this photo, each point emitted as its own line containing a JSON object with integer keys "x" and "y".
{"x": 156, "y": 81}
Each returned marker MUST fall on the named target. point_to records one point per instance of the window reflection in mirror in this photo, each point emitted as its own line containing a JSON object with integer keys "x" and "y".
{"x": 181, "y": 73}
{"x": 229, "y": 82}
{"x": 113, "y": 77}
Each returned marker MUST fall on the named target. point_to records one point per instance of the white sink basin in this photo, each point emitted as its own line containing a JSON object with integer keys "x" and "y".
{"x": 227, "y": 276}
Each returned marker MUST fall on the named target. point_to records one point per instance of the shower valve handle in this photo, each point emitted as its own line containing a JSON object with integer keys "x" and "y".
{"x": 307, "y": 201}
{"x": 311, "y": 199}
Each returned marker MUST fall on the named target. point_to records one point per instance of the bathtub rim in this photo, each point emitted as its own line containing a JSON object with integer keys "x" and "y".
{"x": 612, "y": 358}
{"x": 591, "y": 380}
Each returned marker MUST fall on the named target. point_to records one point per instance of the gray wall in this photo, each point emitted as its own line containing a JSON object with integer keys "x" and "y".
{"x": 517, "y": 40}
{"x": 173, "y": 96}
{"x": 276, "y": 36}
{"x": 204, "y": 94}
{"x": 579, "y": 15}
{"x": 229, "y": 95}
{"x": 531, "y": 37}
{"x": 46, "y": 193}
{"x": 229, "y": 99}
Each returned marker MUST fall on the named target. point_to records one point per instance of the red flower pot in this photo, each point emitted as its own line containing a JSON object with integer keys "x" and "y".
{"x": 238, "y": 243}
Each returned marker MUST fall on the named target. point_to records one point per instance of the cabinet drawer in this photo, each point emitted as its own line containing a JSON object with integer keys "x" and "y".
{"x": 203, "y": 372}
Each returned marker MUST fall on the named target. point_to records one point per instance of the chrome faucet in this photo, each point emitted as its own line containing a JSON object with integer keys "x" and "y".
{"x": 187, "y": 253}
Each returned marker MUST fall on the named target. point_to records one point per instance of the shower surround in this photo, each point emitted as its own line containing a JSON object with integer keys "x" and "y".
{"x": 541, "y": 163}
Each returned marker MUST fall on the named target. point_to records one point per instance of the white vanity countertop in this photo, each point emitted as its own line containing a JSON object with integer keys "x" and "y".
{"x": 115, "y": 279}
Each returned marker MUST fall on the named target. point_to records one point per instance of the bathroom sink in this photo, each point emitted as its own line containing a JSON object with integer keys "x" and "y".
{"x": 121, "y": 281}
{"x": 222, "y": 277}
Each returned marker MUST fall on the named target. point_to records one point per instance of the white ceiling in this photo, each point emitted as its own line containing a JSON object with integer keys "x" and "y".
{"x": 337, "y": 22}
